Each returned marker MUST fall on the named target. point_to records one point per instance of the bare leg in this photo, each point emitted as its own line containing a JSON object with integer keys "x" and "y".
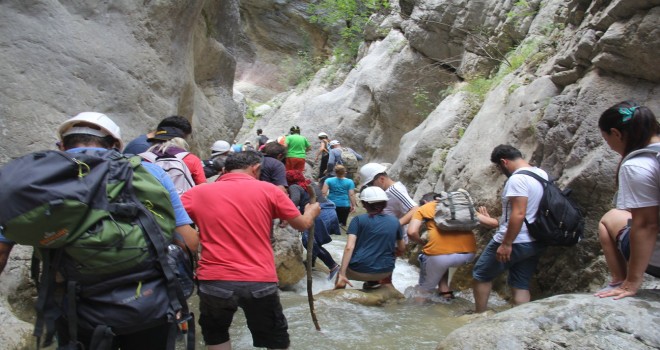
{"x": 224, "y": 346}
{"x": 608, "y": 228}
{"x": 443, "y": 285}
{"x": 520, "y": 296}
{"x": 481, "y": 292}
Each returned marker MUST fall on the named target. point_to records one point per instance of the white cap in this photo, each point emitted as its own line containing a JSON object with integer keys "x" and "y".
{"x": 369, "y": 171}
{"x": 220, "y": 146}
{"x": 373, "y": 194}
{"x": 334, "y": 143}
{"x": 106, "y": 127}
{"x": 322, "y": 134}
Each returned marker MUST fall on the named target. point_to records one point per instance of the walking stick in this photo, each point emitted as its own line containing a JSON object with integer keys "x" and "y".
{"x": 310, "y": 248}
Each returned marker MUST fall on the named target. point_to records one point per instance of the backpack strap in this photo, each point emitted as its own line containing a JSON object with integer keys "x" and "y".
{"x": 648, "y": 149}
{"x": 543, "y": 182}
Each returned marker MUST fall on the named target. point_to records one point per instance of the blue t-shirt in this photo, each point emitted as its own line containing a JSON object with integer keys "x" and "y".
{"x": 338, "y": 190}
{"x": 137, "y": 146}
{"x": 376, "y": 242}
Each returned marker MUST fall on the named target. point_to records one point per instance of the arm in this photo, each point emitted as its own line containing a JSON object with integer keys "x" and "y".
{"x": 305, "y": 221}
{"x": 325, "y": 189}
{"x": 404, "y": 220}
{"x": 413, "y": 231}
{"x": 357, "y": 155}
{"x": 190, "y": 237}
{"x": 643, "y": 236}
{"x": 351, "y": 197}
{"x": 485, "y": 219}
{"x": 342, "y": 280}
{"x": 400, "y": 247}
{"x": 516, "y": 220}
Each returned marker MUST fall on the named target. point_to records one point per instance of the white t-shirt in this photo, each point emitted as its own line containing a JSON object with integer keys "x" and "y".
{"x": 520, "y": 185}
{"x": 639, "y": 187}
{"x": 398, "y": 200}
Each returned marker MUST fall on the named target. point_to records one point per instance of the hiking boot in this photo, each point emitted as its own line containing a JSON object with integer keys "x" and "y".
{"x": 371, "y": 285}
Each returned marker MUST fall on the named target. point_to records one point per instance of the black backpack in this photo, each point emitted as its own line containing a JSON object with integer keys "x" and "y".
{"x": 559, "y": 221}
{"x": 103, "y": 225}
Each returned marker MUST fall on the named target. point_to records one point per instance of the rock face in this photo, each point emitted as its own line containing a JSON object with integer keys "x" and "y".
{"x": 575, "y": 321}
{"x": 136, "y": 62}
{"x": 16, "y": 296}
{"x": 535, "y": 74}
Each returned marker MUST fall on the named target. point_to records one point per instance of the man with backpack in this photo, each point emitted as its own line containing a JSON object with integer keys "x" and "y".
{"x": 237, "y": 266}
{"x": 99, "y": 294}
{"x": 345, "y": 156}
{"x": 512, "y": 248}
{"x": 169, "y": 145}
{"x": 141, "y": 143}
{"x": 261, "y": 139}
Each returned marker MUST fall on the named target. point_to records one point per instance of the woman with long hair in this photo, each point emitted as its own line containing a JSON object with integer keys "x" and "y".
{"x": 634, "y": 248}
{"x": 341, "y": 191}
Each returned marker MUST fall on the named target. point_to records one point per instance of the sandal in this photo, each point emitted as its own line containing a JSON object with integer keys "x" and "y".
{"x": 447, "y": 295}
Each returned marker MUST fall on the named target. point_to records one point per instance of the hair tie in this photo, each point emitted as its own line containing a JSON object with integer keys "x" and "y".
{"x": 627, "y": 113}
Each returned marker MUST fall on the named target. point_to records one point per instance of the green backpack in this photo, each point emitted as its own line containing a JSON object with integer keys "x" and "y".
{"x": 103, "y": 223}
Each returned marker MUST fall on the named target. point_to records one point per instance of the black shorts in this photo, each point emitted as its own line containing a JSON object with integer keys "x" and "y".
{"x": 260, "y": 301}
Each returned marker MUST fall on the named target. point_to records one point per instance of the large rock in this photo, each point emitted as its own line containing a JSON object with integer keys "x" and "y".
{"x": 575, "y": 321}
{"x": 17, "y": 293}
{"x": 377, "y": 297}
{"x": 288, "y": 256}
{"x": 137, "y": 62}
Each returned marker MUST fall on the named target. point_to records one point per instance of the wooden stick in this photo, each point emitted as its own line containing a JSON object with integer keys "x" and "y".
{"x": 310, "y": 248}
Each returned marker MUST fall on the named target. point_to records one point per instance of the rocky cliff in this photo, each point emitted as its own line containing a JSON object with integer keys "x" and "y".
{"x": 439, "y": 83}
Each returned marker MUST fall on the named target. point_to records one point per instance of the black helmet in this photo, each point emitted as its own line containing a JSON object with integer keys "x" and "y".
{"x": 295, "y": 129}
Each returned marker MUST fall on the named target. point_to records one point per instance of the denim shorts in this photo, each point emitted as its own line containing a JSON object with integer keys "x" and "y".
{"x": 623, "y": 244}
{"x": 623, "y": 241}
{"x": 260, "y": 301}
{"x": 524, "y": 258}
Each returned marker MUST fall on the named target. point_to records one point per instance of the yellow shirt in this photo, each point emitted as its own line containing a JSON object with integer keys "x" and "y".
{"x": 440, "y": 243}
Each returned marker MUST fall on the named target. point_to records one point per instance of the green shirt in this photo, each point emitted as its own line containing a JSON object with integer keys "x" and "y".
{"x": 297, "y": 146}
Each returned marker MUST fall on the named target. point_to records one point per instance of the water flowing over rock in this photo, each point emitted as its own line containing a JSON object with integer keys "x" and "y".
{"x": 574, "y": 321}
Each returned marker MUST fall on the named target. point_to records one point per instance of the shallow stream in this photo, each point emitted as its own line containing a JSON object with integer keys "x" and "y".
{"x": 346, "y": 325}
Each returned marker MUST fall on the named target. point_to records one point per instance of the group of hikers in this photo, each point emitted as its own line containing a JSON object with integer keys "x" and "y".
{"x": 228, "y": 224}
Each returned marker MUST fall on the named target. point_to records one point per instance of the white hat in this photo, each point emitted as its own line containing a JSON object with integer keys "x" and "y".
{"x": 247, "y": 142}
{"x": 220, "y": 146}
{"x": 373, "y": 194}
{"x": 322, "y": 134}
{"x": 334, "y": 143}
{"x": 106, "y": 127}
{"x": 369, "y": 171}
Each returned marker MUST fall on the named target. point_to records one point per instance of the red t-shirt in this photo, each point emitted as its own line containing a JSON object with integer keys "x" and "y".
{"x": 234, "y": 216}
{"x": 196, "y": 168}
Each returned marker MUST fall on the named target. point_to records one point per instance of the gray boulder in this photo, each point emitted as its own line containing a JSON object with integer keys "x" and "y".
{"x": 573, "y": 321}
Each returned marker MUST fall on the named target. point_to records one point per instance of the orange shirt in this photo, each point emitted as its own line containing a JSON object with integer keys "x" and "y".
{"x": 440, "y": 243}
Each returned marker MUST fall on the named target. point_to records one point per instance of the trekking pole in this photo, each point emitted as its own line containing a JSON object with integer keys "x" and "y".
{"x": 310, "y": 248}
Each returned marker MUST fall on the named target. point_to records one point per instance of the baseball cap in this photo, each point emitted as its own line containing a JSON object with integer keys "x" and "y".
{"x": 334, "y": 142}
{"x": 166, "y": 133}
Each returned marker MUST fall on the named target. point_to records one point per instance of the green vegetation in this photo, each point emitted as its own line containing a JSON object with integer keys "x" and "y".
{"x": 300, "y": 70}
{"x": 422, "y": 101}
{"x": 522, "y": 9}
{"x": 352, "y": 16}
